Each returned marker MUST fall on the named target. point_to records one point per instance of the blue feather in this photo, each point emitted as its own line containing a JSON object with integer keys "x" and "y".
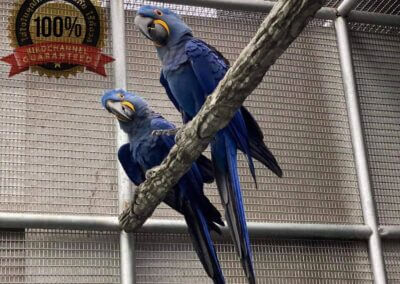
{"x": 238, "y": 130}
{"x": 145, "y": 151}
{"x": 130, "y": 166}
{"x": 225, "y": 165}
{"x": 188, "y": 85}
{"x": 191, "y": 70}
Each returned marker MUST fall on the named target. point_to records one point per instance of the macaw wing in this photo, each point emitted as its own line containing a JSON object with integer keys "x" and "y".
{"x": 171, "y": 97}
{"x": 237, "y": 128}
{"x": 204, "y": 164}
{"x": 164, "y": 83}
{"x": 258, "y": 148}
{"x": 130, "y": 166}
{"x": 210, "y": 67}
{"x": 159, "y": 122}
{"x": 207, "y": 63}
{"x": 206, "y": 169}
{"x": 164, "y": 142}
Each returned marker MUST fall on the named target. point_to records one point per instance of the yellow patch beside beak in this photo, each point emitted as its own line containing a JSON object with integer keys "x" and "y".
{"x": 162, "y": 23}
{"x": 128, "y": 104}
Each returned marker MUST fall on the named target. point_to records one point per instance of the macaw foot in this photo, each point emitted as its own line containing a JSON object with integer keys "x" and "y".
{"x": 168, "y": 132}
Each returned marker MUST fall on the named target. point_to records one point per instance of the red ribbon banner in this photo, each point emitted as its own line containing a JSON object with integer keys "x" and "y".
{"x": 57, "y": 52}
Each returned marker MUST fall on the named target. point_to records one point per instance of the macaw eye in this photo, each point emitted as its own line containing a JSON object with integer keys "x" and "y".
{"x": 158, "y": 12}
{"x": 121, "y": 96}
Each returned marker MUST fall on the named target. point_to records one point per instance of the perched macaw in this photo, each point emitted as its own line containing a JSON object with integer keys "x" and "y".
{"x": 191, "y": 70}
{"x": 145, "y": 151}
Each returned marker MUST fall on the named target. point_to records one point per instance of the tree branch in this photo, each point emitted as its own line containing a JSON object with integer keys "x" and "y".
{"x": 282, "y": 25}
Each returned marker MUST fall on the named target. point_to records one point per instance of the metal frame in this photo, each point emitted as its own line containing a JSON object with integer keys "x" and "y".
{"x": 360, "y": 154}
{"x": 125, "y": 193}
{"x": 370, "y": 231}
{"x": 345, "y": 7}
{"x": 162, "y": 226}
{"x": 326, "y": 13}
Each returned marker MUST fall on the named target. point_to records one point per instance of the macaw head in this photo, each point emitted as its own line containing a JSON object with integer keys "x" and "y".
{"x": 124, "y": 105}
{"x": 160, "y": 25}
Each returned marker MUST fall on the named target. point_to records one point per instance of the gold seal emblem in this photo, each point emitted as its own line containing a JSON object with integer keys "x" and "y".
{"x": 57, "y": 37}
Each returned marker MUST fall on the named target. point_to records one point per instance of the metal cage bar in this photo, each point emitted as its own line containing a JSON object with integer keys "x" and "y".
{"x": 360, "y": 156}
{"x": 373, "y": 18}
{"x": 326, "y": 13}
{"x": 251, "y": 5}
{"x": 53, "y": 221}
{"x": 161, "y": 226}
{"x": 389, "y": 232}
{"x": 345, "y": 7}
{"x": 124, "y": 187}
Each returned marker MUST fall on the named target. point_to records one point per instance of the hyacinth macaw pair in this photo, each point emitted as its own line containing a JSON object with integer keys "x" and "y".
{"x": 191, "y": 70}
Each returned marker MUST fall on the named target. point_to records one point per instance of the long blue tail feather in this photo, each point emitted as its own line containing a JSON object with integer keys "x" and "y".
{"x": 199, "y": 230}
{"x": 225, "y": 165}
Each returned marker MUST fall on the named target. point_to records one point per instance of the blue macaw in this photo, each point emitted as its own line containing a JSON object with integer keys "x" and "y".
{"x": 145, "y": 151}
{"x": 191, "y": 70}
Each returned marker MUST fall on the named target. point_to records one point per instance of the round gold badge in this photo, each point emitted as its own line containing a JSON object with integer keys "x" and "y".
{"x": 57, "y": 37}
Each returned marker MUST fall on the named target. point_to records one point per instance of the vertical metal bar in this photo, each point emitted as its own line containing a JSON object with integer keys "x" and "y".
{"x": 124, "y": 186}
{"x": 345, "y": 7}
{"x": 367, "y": 202}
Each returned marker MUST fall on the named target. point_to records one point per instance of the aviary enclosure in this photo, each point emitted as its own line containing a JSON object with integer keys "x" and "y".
{"x": 329, "y": 109}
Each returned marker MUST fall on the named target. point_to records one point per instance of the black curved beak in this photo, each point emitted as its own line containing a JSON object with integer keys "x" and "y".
{"x": 122, "y": 111}
{"x": 155, "y": 30}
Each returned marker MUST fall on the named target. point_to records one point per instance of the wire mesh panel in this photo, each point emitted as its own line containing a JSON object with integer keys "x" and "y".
{"x": 391, "y": 7}
{"x": 332, "y": 3}
{"x": 327, "y": 3}
{"x": 377, "y": 67}
{"x": 391, "y": 252}
{"x": 44, "y": 257}
{"x": 12, "y": 257}
{"x": 57, "y": 145}
{"x": 171, "y": 259}
{"x": 300, "y": 106}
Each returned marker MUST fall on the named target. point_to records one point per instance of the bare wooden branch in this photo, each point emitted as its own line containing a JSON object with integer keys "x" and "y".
{"x": 283, "y": 24}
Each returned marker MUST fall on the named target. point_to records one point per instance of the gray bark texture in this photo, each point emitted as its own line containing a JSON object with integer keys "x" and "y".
{"x": 281, "y": 27}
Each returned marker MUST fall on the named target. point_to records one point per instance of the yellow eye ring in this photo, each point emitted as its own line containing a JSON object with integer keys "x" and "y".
{"x": 121, "y": 96}
{"x": 158, "y": 12}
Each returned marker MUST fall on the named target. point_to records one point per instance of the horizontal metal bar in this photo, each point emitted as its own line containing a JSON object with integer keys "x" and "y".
{"x": 389, "y": 232}
{"x": 251, "y": 5}
{"x": 272, "y": 230}
{"x": 247, "y": 5}
{"x": 109, "y": 223}
{"x": 52, "y": 221}
{"x": 326, "y": 13}
{"x": 373, "y": 18}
